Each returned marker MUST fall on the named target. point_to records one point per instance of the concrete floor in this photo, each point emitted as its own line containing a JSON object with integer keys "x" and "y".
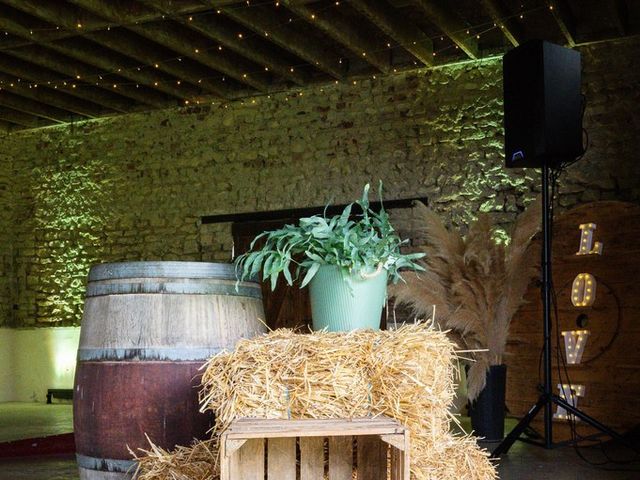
{"x": 34, "y": 420}
{"x": 523, "y": 462}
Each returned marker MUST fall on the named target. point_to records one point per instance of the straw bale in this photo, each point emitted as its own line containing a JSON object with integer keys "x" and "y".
{"x": 407, "y": 374}
{"x": 197, "y": 462}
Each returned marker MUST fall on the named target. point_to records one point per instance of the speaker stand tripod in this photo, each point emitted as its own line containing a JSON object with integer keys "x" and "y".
{"x": 548, "y": 399}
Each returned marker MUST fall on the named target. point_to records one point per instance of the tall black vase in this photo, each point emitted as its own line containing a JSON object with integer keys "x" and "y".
{"x": 487, "y": 411}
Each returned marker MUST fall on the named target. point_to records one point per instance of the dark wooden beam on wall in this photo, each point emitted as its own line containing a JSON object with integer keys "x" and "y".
{"x": 451, "y": 25}
{"x": 188, "y": 45}
{"x": 564, "y": 18}
{"x": 253, "y": 48}
{"x": 502, "y": 17}
{"x": 370, "y": 48}
{"x": 400, "y": 29}
{"x": 295, "y": 213}
{"x": 264, "y": 21}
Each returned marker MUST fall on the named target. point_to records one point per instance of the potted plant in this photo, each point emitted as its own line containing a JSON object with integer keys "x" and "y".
{"x": 346, "y": 260}
{"x": 476, "y": 284}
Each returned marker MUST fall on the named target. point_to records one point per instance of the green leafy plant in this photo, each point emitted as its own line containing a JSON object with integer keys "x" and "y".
{"x": 360, "y": 245}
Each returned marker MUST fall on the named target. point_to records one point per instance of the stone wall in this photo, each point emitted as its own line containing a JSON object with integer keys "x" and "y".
{"x": 134, "y": 187}
{"x": 6, "y": 238}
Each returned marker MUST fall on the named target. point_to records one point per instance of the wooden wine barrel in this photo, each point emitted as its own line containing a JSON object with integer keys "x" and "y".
{"x": 609, "y": 370}
{"x": 146, "y": 330}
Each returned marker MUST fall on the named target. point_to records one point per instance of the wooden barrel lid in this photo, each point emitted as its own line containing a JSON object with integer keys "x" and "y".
{"x": 171, "y": 269}
{"x": 194, "y": 278}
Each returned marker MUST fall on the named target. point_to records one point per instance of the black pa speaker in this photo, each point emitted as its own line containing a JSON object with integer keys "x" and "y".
{"x": 542, "y": 105}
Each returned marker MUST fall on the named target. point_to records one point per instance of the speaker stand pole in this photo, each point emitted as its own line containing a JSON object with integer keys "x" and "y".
{"x": 548, "y": 399}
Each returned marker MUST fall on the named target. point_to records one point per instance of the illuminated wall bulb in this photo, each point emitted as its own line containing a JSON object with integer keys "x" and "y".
{"x": 583, "y": 295}
{"x": 587, "y": 245}
{"x": 575, "y": 342}
{"x": 570, "y": 393}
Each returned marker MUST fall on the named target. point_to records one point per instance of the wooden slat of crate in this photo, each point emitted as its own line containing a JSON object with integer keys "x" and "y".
{"x": 372, "y": 457}
{"x": 245, "y": 438}
{"x": 247, "y": 463}
{"x": 271, "y": 428}
{"x": 340, "y": 458}
{"x": 281, "y": 458}
{"x": 311, "y": 457}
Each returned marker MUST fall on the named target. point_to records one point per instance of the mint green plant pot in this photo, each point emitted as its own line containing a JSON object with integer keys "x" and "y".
{"x": 340, "y": 308}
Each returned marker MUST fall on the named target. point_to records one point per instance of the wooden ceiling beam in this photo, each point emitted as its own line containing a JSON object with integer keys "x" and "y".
{"x": 451, "y": 26}
{"x": 263, "y": 20}
{"x": 63, "y": 16}
{"x": 42, "y": 76}
{"x": 54, "y": 98}
{"x": 82, "y": 52}
{"x": 402, "y": 30}
{"x": 131, "y": 9}
{"x": 63, "y": 65}
{"x": 253, "y": 48}
{"x": 108, "y": 62}
{"x": 23, "y": 119}
{"x": 8, "y": 127}
{"x": 100, "y": 58}
{"x": 191, "y": 46}
{"x": 620, "y": 13}
{"x": 142, "y": 52}
{"x": 58, "y": 14}
{"x": 32, "y": 107}
{"x": 200, "y": 50}
{"x": 369, "y": 48}
{"x": 502, "y": 18}
{"x": 564, "y": 19}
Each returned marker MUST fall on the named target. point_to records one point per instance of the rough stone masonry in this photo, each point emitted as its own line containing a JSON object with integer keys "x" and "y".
{"x": 134, "y": 187}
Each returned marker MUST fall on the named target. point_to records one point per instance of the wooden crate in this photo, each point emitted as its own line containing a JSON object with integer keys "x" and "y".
{"x": 291, "y": 449}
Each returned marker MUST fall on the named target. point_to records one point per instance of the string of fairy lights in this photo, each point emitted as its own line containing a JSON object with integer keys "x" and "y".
{"x": 112, "y": 79}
